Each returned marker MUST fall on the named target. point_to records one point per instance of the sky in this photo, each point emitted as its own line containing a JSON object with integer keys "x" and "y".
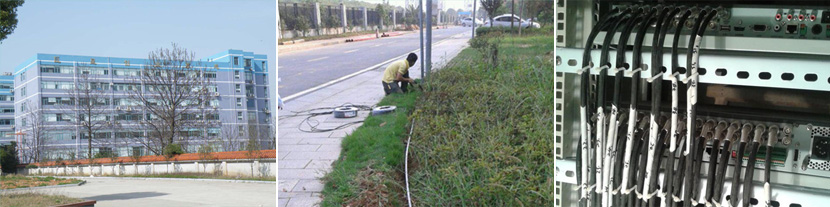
{"x": 132, "y": 29}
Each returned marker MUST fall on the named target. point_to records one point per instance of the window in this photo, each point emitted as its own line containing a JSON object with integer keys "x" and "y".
{"x": 249, "y": 76}
{"x": 64, "y": 135}
{"x": 23, "y": 91}
{"x": 6, "y": 98}
{"x": 126, "y": 87}
{"x": 8, "y": 110}
{"x": 126, "y": 72}
{"x": 238, "y": 88}
{"x": 48, "y": 69}
{"x": 241, "y": 130}
{"x": 265, "y": 78}
{"x": 93, "y": 70}
{"x": 239, "y": 116}
{"x": 6, "y": 121}
{"x": 51, "y": 101}
{"x": 238, "y": 101}
{"x": 236, "y": 74}
{"x": 251, "y": 116}
{"x": 210, "y": 74}
{"x": 263, "y": 65}
{"x": 64, "y": 85}
{"x": 22, "y": 75}
{"x": 6, "y": 86}
{"x": 23, "y": 108}
{"x": 128, "y": 117}
{"x": 235, "y": 60}
{"x": 247, "y": 62}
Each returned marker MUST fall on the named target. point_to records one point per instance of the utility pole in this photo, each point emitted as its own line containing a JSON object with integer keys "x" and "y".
{"x": 474, "y": 18}
{"x": 428, "y": 58}
{"x": 421, "y": 27}
{"x": 512, "y": 12}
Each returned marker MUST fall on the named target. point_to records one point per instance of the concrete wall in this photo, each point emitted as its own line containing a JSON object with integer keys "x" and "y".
{"x": 288, "y": 34}
{"x": 242, "y": 168}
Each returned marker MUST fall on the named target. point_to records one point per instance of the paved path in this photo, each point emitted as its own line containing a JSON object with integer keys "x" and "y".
{"x": 305, "y": 69}
{"x": 183, "y": 193}
{"x": 305, "y": 157}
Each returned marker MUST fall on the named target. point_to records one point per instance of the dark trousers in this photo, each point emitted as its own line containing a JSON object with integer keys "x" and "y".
{"x": 393, "y": 87}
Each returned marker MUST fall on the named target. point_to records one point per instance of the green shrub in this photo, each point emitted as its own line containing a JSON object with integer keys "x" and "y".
{"x": 31, "y": 166}
{"x": 8, "y": 158}
{"x": 173, "y": 150}
{"x": 515, "y": 30}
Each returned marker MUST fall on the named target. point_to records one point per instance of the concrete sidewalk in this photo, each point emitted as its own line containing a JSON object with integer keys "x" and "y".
{"x": 305, "y": 157}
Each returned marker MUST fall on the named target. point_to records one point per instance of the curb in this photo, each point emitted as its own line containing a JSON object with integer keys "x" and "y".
{"x": 172, "y": 179}
{"x": 312, "y": 45}
{"x": 44, "y": 187}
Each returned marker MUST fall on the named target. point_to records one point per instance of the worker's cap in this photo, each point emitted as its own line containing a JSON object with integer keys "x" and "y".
{"x": 412, "y": 58}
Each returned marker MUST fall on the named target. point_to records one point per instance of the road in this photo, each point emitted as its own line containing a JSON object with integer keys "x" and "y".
{"x": 124, "y": 192}
{"x": 305, "y": 69}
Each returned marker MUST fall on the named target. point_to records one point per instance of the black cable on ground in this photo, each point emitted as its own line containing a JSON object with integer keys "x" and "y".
{"x": 313, "y": 124}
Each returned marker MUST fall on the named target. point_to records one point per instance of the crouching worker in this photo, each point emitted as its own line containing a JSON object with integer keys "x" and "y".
{"x": 398, "y": 72}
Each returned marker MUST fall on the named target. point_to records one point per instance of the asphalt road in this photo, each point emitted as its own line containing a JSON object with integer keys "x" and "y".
{"x": 125, "y": 192}
{"x": 302, "y": 70}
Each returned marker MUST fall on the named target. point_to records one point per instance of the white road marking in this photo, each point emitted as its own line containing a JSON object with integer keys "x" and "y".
{"x": 350, "y": 51}
{"x": 316, "y": 59}
{"x": 377, "y": 45}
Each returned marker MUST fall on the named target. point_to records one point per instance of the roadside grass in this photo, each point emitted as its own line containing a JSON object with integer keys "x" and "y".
{"x": 369, "y": 170}
{"x": 33, "y": 199}
{"x": 484, "y": 135}
{"x": 188, "y": 176}
{"x": 325, "y": 37}
{"x": 12, "y": 181}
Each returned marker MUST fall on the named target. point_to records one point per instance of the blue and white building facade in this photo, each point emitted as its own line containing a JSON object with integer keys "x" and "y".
{"x": 241, "y": 95}
{"x": 6, "y": 109}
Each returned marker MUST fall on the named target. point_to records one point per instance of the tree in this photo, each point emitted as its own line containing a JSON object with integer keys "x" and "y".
{"x": 231, "y": 138}
{"x": 491, "y": 6}
{"x": 34, "y": 130}
{"x": 8, "y": 17}
{"x": 534, "y": 8}
{"x": 174, "y": 90}
{"x": 89, "y": 107}
{"x": 8, "y": 158}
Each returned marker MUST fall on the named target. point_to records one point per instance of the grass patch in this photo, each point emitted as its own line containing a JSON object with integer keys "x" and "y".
{"x": 369, "y": 169}
{"x": 485, "y": 135}
{"x": 12, "y": 181}
{"x": 325, "y": 37}
{"x": 26, "y": 199}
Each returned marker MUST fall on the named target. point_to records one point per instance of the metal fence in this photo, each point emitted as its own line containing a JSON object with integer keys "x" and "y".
{"x": 293, "y": 14}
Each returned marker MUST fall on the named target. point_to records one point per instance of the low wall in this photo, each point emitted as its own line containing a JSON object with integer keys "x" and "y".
{"x": 288, "y": 34}
{"x": 266, "y": 167}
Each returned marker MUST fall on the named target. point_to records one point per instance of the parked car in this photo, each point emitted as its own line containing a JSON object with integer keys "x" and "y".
{"x": 468, "y": 22}
{"x": 504, "y": 21}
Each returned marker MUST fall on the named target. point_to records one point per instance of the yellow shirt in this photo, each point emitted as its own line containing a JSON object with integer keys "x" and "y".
{"x": 400, "y": 66}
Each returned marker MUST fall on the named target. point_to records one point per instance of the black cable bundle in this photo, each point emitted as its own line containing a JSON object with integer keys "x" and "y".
{"x": 724, "y": 161}
{"x": 669, "y": 187}
{"x": 713, "y": 160}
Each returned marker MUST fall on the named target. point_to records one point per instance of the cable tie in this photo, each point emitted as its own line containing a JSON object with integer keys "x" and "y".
{"x": 634, "y": 71}
{"x": 639, "y": 196}
{"x": 686, "y": 80}
{"x": 708, "y": 204}
{"x": 676, "y": 199}
{"x": 649, "y": 195}
{"x": 694, "y": 201}
{"x": 615, "y": 70}
{"x": 615, "y": 191}
{"x": 716, "y": 204}
{"x": 602, "y": 68}
{"x": 583, "y": 69}
{"x": 654, "y": 77}
{"x": 674, "y": 76}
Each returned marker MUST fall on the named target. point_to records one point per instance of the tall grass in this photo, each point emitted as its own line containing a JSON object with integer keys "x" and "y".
{"x": 485, "y": 134}
{"x": 483, "y": 137}
{"x": 369, "y": 170}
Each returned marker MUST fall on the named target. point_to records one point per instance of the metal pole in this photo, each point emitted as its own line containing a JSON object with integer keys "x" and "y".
{"x": 474, "y": 18}
{"x": 428, "y": 58}
{"x": 421, "y": 27}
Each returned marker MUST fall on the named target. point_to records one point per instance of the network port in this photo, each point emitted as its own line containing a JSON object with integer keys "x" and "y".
{"x": 791, "y": 29}
{"x": 725, "y": 28}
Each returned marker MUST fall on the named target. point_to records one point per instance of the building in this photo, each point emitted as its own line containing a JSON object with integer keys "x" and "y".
{"x": 6, "y": 108}
{"x": 239, "y": 91}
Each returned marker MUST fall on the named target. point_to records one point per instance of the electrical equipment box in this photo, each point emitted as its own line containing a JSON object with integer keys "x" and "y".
{"x": 755, "y": 73}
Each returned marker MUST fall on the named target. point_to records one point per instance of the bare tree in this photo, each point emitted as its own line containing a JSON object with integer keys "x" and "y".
{"x": 491, "y": 6}
{"x": 231, "y": 138}
{"x": 88, "y": 108}
{"x": 34, "y": 131}
{"x": 174, "y": 88}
